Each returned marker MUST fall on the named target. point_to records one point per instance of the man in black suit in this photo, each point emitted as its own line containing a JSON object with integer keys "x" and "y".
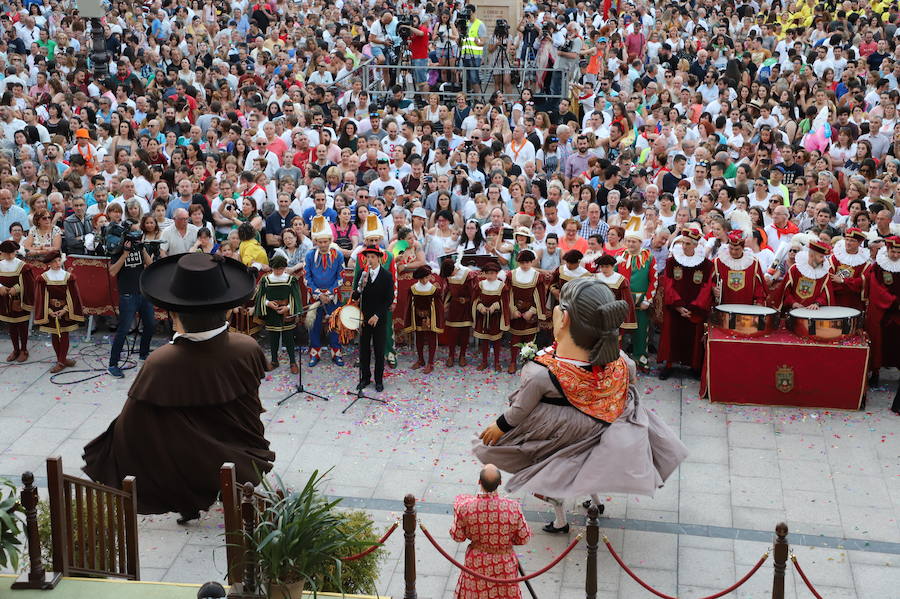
{"x": 376, "y": 290}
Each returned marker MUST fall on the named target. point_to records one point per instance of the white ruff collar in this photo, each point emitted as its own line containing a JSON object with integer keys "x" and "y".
{"x": 524, "y": 278}
{"x": 423, "y": 288}
{"x": 612, "y": 279}
{"x": 742, "y": 263}
{"x": 886, "y": 263}
{"x": 802, "y": 264}
{"x": 684, "y": 260}
{"x": 844, "y": 257}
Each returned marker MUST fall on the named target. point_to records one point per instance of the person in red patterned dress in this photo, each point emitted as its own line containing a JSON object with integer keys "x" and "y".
{"x": 527, "y": 304}
{"x": 807, "y": 284}
{"x": 848, "y": 263}
{"x": 686, "y": 295}
{"x": 883, "y": 315}
{"x": 459, "y": 281}
{"x": 494, "y": 525}
{"x": 16, "y": 298}
{"x": 490, "y": 312}
{"x": 57, "y": 307}
{"x": 424, "y": 316}
{"x": 737, "y": 276}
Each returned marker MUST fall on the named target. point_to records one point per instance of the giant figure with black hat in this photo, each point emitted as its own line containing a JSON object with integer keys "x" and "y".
{"x": 195, "y": 403}
{"x": 375, "y": 293}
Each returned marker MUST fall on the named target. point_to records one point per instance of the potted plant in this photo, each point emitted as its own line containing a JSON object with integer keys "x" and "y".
{"x": 10, "y": 526}
{"x": 299, "y": 538}
{"x": 360, "y": 575}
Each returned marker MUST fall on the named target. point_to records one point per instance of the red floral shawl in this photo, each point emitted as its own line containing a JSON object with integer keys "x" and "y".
{"x": 601, "y": 392}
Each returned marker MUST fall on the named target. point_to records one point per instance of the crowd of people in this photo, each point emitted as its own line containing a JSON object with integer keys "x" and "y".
{"x": 641, "y": 143}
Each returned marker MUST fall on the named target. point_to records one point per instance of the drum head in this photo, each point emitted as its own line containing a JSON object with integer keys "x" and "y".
{"x": 350, "y": 317}
{"x": 825, "y": 312}
{"x": 745, "y": 309}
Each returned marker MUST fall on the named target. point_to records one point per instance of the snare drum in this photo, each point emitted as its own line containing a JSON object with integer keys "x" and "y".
{"x": 742, "y": 319}
{"x": 827, "y": 323}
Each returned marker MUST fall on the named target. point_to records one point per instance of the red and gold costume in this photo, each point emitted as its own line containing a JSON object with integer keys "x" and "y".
{"x": 489, "y": 327}
{"x": 564, "y": 274}
{"x": 686, "y": 284}
{"x": 16, "y": 304}
{"x": 640, "y": 271}
{"x": 56, "y": 290}
{"x": 883, "y": 315}
{"x": 527, "y": 290}
{"x": 494, "y": 525}
{"x": 741, "y": 279}
{"x": 618, "y": 284}
{"x": 458, "y": 290}
{"x": 424, "y": 316}
{"x": 848, "y": 293}
{"x": 806, "y": 285}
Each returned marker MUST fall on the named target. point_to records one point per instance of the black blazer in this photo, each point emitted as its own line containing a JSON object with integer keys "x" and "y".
{"x": 377, "y": 296}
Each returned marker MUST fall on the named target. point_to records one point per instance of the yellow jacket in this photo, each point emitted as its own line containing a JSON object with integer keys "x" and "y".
{"x": 251, "y": 252}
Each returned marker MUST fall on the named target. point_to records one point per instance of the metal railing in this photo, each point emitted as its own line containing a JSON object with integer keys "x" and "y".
{"x": 459, "y": 79}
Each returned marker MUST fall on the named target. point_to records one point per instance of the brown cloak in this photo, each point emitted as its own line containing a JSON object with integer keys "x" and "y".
{"x": 192, "y": 407}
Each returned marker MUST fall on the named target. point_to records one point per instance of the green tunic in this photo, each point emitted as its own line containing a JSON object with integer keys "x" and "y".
{"x": 273, "y": 290}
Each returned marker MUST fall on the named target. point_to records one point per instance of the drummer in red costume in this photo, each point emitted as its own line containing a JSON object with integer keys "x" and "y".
{"x": 618, "y": 284}
{"x": 848, "y": 264}
{"x": 528, "y": 304}
{"x": 883, "y": 315}
{"x": 807, "y": 284}
{"x": 737, "y": 276}
{"x": 490, "y": 312}
{"x": 459, "y": 282}
{"x": 16, "y": 298}
{"x": 686, "y": 295}
{"x": 424, "y": 316}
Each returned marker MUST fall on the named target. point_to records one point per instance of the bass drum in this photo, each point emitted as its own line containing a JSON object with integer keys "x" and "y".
{"x": 828, "y": 323}
{"x": 746, "y": 320}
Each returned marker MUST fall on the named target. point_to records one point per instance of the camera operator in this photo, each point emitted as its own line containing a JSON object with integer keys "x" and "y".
{"x": 474, "y": 33}
{"x": 382, "y": 37}
{"x": 127, "y": 267}
{"x": 418, "y": 50}
{"x": 528, "y": 35}
{"x": 568, "y": 57}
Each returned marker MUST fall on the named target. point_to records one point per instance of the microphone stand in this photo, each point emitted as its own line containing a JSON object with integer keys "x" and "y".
{"x": 300, "y": 390}
{"x": 364, "y": 278}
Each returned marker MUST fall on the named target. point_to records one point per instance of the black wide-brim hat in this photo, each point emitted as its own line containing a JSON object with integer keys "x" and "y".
{"x": 197, "y": 282}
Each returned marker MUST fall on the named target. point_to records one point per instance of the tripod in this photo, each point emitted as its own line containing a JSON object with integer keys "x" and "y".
{"x": 501, "y": 67}
{"x": 360, "y": 395}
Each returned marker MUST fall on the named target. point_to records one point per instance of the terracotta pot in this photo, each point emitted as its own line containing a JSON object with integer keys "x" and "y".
{"x": 293, "y": 590}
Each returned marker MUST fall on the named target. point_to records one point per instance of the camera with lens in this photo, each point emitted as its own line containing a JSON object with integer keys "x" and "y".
{"x": 501, "y": 29}
{"x": 566, "y": 46}
{"x": 133, "y": 241}
{"x": 462, "y": 23}
{"x": 404, "y": 26}
{"x": 530, "y": 29}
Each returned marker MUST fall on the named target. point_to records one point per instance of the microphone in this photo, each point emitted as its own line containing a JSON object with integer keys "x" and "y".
{"x": 363, "y": 280}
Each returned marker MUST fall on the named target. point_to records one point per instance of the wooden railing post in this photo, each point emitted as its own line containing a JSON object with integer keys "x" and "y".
{"x": 248, "y": 517}
{"x": 409, "y": 547}
{"x": 779, "y": 559}
{"x": 592, "y": 537}
{"x": 59, "y": 523}
{"x": 36, "y": 577}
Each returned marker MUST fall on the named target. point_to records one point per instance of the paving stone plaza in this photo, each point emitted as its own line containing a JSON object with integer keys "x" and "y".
{"x": 833, "y": 476}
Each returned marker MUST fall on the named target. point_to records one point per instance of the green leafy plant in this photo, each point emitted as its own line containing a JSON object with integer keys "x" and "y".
{"x": 300, "y": 536}
{"x": 10, "y": 525}
{"x": 358, "y": 576}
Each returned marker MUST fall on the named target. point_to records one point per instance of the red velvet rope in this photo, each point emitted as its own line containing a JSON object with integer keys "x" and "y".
{"x": 475, "y": 574}
{"x": 379, "y": 543}
{"x": 730, "y": 589}
{"x": 805, "y": 579}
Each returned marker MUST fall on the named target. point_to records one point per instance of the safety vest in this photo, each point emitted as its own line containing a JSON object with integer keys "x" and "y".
{"x": 468, "y": 47}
